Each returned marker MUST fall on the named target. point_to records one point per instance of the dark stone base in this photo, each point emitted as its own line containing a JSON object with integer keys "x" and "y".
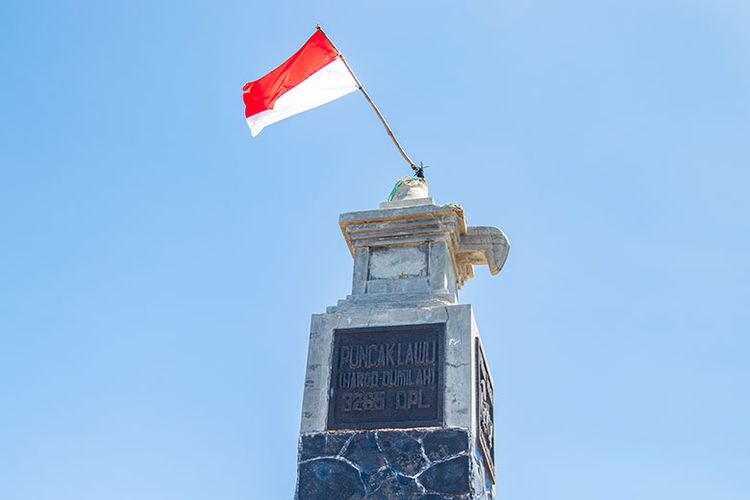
{"x": 428, "y": 464}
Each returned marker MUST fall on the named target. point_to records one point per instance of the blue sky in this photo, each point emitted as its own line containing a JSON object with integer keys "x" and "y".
{"x": 158, "y": 267}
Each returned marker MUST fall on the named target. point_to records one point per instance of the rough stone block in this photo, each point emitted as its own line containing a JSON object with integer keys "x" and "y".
{"x": 363, "y": 450}
{"x": 430, "y": 463}
{"x": 403, "y": 452}
{"x": 450, "y": 477}
{"x": 448, "y": 443}
{"x": 329, "y": 479}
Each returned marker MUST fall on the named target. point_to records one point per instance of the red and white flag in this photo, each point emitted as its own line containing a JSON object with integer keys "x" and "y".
{"x": 314, "y": 75}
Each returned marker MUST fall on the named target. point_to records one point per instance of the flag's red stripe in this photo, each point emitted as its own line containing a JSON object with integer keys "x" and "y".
{"x": 261, "y": 94}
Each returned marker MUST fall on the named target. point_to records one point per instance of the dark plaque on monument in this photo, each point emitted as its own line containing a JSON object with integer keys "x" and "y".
{"x": 387, "y": 377}
{"x": 485, "y": 412}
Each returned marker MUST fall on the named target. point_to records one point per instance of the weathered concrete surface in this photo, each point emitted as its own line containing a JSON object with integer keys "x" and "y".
{"x": 397, "y": 262}
{"x": 419, "y": 221}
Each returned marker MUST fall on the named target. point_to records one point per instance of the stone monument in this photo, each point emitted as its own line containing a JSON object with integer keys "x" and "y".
{"x": 398, "y": 399}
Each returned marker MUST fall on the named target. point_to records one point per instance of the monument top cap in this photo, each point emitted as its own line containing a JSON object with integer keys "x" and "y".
{"x": 409, "y": 219}
{"x": 409, "y": 188}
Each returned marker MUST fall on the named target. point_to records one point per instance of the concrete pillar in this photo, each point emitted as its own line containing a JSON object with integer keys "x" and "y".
{"x": 398, "y": 395}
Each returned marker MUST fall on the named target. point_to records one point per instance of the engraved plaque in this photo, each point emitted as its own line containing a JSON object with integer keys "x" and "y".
{"x": 485, "y": 412}
{"x": 387, "y": 377}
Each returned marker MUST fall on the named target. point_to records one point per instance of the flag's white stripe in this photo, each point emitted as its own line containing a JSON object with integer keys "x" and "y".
{"x": 328, "y": 83}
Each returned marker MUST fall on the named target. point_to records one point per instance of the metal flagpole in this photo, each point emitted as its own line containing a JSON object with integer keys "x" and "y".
{"x": 374, "y": 107}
